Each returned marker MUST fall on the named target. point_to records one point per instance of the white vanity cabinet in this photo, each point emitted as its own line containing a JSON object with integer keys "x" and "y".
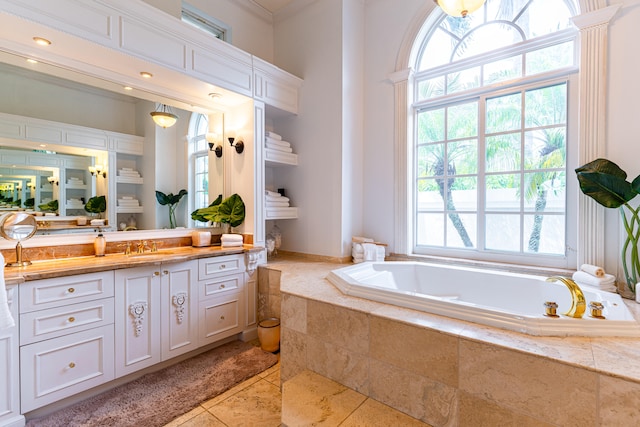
{"x": 9, "y": 370}
{"x": 156, "y": 314}
{"x": 66, "y": 337}
{"x": 221, "y": 297}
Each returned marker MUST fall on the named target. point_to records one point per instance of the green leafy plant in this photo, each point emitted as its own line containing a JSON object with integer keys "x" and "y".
{"x": 96, "y": 205}
{"x": 607, "y": 184}
{"x": 228, "y": 211}
{"x": 30, "y": 202}
{"x": 172, "y": 201}
{"x": 52, "y": 206}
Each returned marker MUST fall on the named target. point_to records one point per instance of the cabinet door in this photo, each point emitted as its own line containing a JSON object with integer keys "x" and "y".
{"x": 9, "y": 367}
{"x": 137, "y": 318}
{"x": 60, "y": 367}
{"x": 179, "y": 308}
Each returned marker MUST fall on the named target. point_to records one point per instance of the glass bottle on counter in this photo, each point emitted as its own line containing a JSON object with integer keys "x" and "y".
{"x": 99, "y": 245}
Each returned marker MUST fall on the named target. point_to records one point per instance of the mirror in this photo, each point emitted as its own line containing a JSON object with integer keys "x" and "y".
{"x": 18, "y": 226}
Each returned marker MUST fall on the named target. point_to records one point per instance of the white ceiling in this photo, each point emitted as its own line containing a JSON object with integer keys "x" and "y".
{"x": 273, "y": 5}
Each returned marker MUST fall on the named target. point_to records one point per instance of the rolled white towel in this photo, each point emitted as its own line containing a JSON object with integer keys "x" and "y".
{"x": 593, "y": 270}
{"x": 6, "y": 319}
{"x": 231, "y": 238}
{"x": 231, "y": 244}
{"x": 606, "y": 283}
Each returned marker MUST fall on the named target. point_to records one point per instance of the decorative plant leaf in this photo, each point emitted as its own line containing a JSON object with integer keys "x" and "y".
{"x": 97, "y": 204}
{"x": 606, "y": 183}
{"x": 52, "y": 206}
{"x": 29, "y": 202}
{"x": 230, "y": 211}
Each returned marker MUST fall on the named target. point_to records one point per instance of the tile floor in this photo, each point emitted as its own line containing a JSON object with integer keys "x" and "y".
{"x": 308, "y": 399}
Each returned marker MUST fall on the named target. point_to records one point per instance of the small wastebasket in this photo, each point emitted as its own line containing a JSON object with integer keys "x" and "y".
{"x": 269, "y": 334}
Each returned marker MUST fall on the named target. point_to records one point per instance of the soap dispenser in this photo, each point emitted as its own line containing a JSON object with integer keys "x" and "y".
{"x": 99, "y": 244}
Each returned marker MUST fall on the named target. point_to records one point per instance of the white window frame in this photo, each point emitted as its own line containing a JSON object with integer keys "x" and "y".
{"x": 194, "y": 155}
{"x": 197, "y": 18}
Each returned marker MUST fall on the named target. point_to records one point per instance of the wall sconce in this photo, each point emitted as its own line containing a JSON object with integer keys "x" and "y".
{"x": 211, "y": 139}
{"x": 97, "y": 170}
{"x": 31, "y": 186}
{"x": 239, "y": 146}
{"x": 52, "y": 179}
{"x": 163, "y": 116}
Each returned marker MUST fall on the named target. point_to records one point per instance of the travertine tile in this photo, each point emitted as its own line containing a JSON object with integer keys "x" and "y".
{"x": 426, "y": 352}
{"x": 420, "y": 397}
{"x": 528, "y": 384}
{"x": 339, "y": 364}
{"x": 619, "y": 402}
{"x": 204, "y": 419}
{"x": 310, "y": 399}
{"x": 233, "y": 390}
{"x": 294, "y": 313}
{"x": 337, "y": 325}
{"x": 186, "y": 417}
{"x": 257, "y": 405}
{"x": 613, "y": 355}
{"x": 375, "y": 414}
{"x": 477, "y": 412}
{"x": 293, "y": 353}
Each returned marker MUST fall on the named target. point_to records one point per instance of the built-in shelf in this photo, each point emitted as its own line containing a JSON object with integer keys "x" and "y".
{"x": 129, "y": 209}
{"x": 129, "y": 180}
{"x": 281, "y": 213}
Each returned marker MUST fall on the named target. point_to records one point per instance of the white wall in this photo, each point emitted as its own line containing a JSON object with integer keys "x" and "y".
{"x": 308, "y": 45}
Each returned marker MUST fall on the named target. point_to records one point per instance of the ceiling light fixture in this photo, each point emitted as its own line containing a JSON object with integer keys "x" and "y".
{"x": 32, "y": 61}
{"x": 164, "y": 117}
{"x": 459, "y": 8}
{"x": 42, "y": 41}
{"x": 146, "y": 74}
{"x": 214, "y": 95}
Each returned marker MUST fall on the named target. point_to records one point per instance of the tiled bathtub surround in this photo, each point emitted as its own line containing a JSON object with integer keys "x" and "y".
{"x": 448, "y": 372}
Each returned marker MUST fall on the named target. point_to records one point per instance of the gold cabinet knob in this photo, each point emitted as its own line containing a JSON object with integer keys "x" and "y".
{"x": 71, "y": 290}
{"x": 72, "y": 365}
{"x": 72, "y": 319}
{"x": 156, "y": 273}
{"x": 222, "y": 267}
{"x": 221, "y": 286}
{"x": 221, "y": 317}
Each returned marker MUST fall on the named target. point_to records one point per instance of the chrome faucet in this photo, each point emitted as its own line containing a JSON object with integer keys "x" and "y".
{"x": 578, "y": 302}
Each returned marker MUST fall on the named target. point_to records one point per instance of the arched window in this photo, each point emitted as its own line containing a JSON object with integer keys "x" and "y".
{"x": 198, "y": 164}
{"x": 494, "y": 104}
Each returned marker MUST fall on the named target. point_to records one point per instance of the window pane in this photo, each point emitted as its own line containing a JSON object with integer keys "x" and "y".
{"x": 461, "y": 230}
{"x": 503, "y": 232}
{"x": 502, "y": 192}
{"x": 546, "y": 106}
{"x": 429, "y": 198}
{"x": 430, "y": 229}
{"x": 545, "y": 148}
{"x": 544, "y": 17}
{"x": 463, "y": 156}
{"x": 550, "y": 58}
{"x": 463, "y": 80}
{"x": 430, "y": 160}
{"x": 503, "y": 70}
{"x": 438, "y": 50}
{"x": 545, "y": 234}
{"x": 503, "y": 152}
{"x": 545, "y": 191}
{"x": 504, "y": 113}
{"x": 489, "y": 37}
{"x": 431, "y": 88}
{"x": 431, "y": 126}
{"x": 462, "y": 121}
{"x": 464, "y": 191}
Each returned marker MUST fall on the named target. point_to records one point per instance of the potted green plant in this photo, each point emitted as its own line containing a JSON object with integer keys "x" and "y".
{"x": 228, "y": 211}
{"x": 96, "y": 205}
{"x": 172, "y": 201}
{"x": 51, "y": 206}
{"x": 607, "y": 184}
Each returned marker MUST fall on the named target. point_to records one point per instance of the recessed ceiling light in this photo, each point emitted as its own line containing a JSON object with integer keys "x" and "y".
{"x": 32, "y": 61}
{"x": 43, "y": 145}
{"x": 146, "y": 74}
{"x": 214, "y": 95}
{"x": 128, "y": 88}
{"x": 41, "y": 41}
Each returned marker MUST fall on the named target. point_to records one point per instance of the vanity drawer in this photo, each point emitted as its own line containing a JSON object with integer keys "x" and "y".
{"x": 216, "y": 266}
{"x": 219, "y": 318}
{"x": 220, "y": 285}
{"x": 49, "y": 293}
{"x": 60, "y": 367}
{"x": 54, "y": 322}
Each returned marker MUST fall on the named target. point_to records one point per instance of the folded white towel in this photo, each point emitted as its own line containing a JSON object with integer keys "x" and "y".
{"x": 231, "y": 238}
{"x": 357, "y": 248}
{"x": 273, "y": 135}
{"x": 606, "y": 283}
{"x": 231, "y": 244}
{"x": 277, "y": 198}
{"x": 370, "y": 251}
{"x": 270, "y": 204}
{"x": 278, "y": 148}
{"x": 6, "y": 319}
{"x": 272, "y": 193}
{"x": 593, "y": 270}
{"x": 285, "y": 144}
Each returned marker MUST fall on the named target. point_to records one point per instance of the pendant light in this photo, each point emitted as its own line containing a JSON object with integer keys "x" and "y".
{"x": 459, "y": 8}
{"x": 164, "y": 117}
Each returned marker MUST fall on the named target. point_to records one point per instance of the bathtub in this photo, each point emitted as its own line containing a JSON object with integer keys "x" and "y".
{"x": 503, "y": 300}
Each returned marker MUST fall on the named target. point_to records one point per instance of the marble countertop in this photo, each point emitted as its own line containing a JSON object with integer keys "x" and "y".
{"x": 608, "y": 355}
{"x": 47, "y": 269}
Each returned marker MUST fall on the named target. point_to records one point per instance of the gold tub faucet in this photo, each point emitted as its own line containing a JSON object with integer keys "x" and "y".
{"x": 578, "y": 302}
